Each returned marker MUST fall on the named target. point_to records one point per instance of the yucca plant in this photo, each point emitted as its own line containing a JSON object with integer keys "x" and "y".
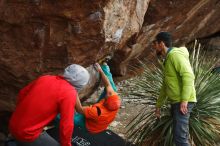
{"x": 145, "y": 129}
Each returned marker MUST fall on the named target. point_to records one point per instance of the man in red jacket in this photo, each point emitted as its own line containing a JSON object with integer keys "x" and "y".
{"x": 39, "y": 103}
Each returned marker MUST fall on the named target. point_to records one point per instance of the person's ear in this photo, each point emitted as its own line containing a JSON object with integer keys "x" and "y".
{"x": 161, "y": 44}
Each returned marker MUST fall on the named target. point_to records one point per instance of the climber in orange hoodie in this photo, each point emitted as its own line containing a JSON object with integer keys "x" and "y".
{"x": 97, "y": 117}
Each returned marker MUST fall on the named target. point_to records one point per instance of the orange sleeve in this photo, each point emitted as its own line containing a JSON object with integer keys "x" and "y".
{"x": 91, "y": 112}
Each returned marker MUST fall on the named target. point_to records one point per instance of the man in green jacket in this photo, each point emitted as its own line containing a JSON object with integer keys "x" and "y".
{"x": 178, "y": 86}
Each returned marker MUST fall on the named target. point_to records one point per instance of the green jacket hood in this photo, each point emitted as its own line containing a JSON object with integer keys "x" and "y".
{"x": 181, "y": 50}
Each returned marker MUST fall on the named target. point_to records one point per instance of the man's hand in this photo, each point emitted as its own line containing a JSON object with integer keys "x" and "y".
{"x": 184, "y": 107}
{"x": 157, "y": 112}
{"x": 98, "y": 67}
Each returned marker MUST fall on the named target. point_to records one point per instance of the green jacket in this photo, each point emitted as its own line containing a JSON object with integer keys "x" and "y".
{"x": 178, "y": 82}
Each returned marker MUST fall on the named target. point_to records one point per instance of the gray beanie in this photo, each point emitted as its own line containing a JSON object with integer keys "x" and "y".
{"x": 77, "y": 75}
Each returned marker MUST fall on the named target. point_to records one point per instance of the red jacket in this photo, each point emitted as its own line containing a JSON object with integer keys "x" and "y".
{"x": 39, "y": 103}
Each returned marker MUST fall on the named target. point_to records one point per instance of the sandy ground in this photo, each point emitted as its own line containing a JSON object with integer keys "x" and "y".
{"x": 126, "y": 113}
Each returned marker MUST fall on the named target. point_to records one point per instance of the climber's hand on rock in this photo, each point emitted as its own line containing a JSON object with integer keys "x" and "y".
{"x": 98, "y": 67}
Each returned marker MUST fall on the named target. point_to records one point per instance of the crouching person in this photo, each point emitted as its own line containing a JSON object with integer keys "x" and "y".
{"x": 96, "y": 118}
{"x": 40, "y": 101}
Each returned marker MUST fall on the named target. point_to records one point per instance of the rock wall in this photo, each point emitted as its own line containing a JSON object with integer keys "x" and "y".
{"x": 42, "y": 37}
{"x": 186, "y": 20}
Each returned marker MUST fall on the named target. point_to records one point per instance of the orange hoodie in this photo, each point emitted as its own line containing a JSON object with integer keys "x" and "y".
{"x": 100, "y": 115}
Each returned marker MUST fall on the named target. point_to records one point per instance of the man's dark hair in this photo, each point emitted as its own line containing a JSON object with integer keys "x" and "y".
{"x": 165, "y": 37}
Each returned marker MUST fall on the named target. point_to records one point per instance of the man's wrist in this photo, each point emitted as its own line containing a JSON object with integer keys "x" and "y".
{"x": 157, "y": 109}
{"x": 158, "y": 105}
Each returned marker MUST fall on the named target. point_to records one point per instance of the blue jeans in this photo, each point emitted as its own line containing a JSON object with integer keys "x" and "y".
{"x": 181, "y": 124}
{"x": 43, "y": 140}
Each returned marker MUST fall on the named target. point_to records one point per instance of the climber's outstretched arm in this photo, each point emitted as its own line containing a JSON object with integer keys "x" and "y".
{"x": 109, "y": 90}
{"x": 103, "y": 76}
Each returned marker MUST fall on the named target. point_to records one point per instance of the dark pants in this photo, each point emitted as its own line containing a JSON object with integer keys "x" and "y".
{"x": 181, "y": 124}
{"x": 43, "y": 140}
